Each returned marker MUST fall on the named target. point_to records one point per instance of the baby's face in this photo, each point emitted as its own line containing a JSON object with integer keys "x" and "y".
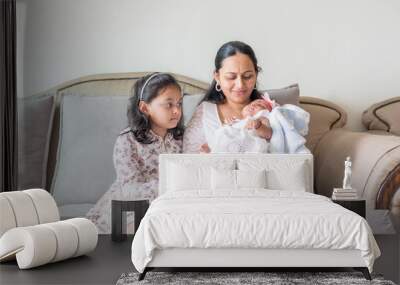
{"x": 253, "y": 108}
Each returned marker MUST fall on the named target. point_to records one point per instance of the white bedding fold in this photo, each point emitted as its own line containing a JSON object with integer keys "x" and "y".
{"x": 256, "y": 218}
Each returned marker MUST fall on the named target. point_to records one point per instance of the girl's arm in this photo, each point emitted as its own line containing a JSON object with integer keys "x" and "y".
{"x": 128, "y": 171}
{"x": 126, "y": 159}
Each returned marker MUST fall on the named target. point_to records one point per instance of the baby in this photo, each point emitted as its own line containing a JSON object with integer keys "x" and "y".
{"x": 249, "y": 134}
{"x": 255, "y": 115}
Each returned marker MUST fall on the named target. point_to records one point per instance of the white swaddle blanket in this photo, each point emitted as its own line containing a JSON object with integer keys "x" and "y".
{"x": 289, "y": 124}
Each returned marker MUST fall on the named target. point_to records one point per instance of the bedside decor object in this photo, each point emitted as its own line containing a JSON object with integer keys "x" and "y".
{"x": 344, "y": 194}
{"x": 118, "y": 217}
{"x": 347, "y": 174}
{"x": 347, "y": 192}
{"x": 31, "y": 231}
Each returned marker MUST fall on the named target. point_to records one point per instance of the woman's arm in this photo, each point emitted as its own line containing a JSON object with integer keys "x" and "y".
{"x": 194, "y": 136}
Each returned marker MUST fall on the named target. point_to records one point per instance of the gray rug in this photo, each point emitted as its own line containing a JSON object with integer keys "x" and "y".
{"x": 228, "y": 278}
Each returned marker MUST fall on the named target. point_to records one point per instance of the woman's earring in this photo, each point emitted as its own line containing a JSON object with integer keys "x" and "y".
{"x": 218, "y": 87}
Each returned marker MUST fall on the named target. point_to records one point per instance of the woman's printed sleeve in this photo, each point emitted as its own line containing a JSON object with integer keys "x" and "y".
{"x": 194, "y": 136}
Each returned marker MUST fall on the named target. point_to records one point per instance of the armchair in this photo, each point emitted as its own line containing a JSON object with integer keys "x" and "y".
{"x": 31, "y": 233}
{"x": 376, "y": 161}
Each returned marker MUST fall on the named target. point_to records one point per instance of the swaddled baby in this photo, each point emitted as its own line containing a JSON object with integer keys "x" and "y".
{"x": 242, "y": 135}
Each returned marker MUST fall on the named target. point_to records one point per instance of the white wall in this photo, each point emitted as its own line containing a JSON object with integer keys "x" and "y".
{"x": 343, "y": 51}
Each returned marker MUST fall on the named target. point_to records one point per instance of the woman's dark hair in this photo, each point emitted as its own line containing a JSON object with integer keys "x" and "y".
{"x": 139, "y": 122}
{"x": 226, "y": 50}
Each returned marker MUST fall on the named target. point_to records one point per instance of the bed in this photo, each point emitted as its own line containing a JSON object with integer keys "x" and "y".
{"x": 247, "y": 210}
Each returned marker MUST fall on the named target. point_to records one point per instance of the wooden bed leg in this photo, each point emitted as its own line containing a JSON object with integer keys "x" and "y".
{"x": 364, "y": 271}
{"x": 143, "y": 274}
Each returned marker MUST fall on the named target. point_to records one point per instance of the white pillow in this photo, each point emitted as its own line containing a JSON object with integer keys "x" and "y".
{"x": 295, "y": 179}
{"x": 225, "y": 179}
{"x": 188, "y": 177}
{"x": 251, "y": 178}
{"x": 293, "y": 175}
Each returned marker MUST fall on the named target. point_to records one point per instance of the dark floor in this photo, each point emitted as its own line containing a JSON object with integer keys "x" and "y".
{"x": 102, "y": 266}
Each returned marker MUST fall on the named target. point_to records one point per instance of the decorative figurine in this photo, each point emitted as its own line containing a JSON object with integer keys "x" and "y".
{"x": 347, "y": 174}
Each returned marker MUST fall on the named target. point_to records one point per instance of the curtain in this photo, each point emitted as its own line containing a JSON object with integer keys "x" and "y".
{"x": 8, "y": 97}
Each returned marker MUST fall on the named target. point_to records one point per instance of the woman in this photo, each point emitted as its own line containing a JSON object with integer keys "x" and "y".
{"x": 233, "y": 87}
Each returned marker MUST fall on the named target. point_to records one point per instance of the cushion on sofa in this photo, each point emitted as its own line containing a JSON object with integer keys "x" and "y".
{"x": 35, "y": 117}
{"x": 286, "y": 95}
{"x": 383, "y": 116}
{"x": 89, "y": 126}
{"x": 189, "y": 105}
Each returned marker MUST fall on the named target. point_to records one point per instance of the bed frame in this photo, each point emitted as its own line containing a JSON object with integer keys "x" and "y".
{"x": 262, "y": 259}
{"x": 242, "y": 259}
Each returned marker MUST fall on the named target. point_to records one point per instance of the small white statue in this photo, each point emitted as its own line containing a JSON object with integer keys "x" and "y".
{"x": 347, "y": 174}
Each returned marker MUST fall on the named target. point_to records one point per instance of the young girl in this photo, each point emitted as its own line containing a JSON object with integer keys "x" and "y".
{"x": 155, "y": 126}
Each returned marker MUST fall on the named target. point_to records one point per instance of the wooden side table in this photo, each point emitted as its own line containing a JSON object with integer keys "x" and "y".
{"x": 357, "y": 206}
{"x": 118, "y": 216}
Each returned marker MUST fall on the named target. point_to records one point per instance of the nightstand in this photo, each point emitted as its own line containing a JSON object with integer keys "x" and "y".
{"x": 357, "y": 206}
{"x": 118, "y": 216}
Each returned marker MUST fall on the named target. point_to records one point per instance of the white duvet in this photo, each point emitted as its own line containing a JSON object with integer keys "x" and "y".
{"x": 250, "y": 219}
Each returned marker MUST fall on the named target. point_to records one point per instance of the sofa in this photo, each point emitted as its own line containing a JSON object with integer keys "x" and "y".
{"x": 67, "y": 135}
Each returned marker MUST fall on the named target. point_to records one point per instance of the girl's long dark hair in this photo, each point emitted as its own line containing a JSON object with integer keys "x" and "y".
{"x": 226, "y": 50}
{"x": 138, "y": 121}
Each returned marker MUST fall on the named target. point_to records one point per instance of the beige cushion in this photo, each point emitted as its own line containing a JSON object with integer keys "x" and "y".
{"x": 324, "y": 116}
{"x": 384, "y": 116}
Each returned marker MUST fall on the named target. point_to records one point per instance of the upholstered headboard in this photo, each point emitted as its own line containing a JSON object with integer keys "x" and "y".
{"x": 181, "y": 172}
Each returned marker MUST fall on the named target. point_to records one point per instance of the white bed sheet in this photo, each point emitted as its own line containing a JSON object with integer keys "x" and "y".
{"x": 253, "y": 218}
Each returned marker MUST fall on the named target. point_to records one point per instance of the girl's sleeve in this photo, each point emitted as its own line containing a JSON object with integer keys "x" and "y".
{"x": 194, "y": 135}
{"x": 129, "y": 173}
{"x": 125, "y": 161}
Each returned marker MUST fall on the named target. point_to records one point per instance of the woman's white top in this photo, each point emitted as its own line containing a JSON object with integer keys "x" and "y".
{"x": 289, "y": 125}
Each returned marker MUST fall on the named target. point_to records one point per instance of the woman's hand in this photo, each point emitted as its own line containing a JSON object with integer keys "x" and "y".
{"x": 204, "y": 148}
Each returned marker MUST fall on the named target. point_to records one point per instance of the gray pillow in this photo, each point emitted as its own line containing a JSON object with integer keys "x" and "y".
{"x": 89, "y": 126}
{"x": 35, "y": 117}
{"x": 189, "y": 105}
{"x": 286, "y": 95}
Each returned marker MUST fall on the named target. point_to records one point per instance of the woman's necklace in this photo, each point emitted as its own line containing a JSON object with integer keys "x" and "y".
{"x": 227, "y": 112}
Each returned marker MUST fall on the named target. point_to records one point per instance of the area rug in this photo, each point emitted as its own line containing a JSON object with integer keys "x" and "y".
{"x": 243, "y": 278}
